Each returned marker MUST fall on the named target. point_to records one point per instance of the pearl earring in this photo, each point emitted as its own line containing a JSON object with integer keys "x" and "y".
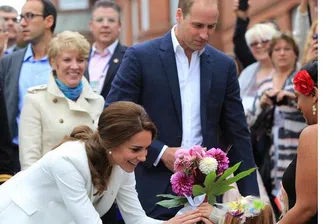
{"x": 314, "y": 109}
{"x": 110, "y": 152}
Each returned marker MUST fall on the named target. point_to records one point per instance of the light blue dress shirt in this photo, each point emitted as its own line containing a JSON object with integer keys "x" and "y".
{"x": 33, "y": 73}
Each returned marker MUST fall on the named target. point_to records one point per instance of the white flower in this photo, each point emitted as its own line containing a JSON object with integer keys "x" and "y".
{"x": 207, "y": 165}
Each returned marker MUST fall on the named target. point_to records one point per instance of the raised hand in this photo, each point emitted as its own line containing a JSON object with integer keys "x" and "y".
{"x": 241, "y": 14}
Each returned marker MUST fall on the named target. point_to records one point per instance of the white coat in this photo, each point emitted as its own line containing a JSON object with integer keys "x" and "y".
{"x": 58, "y": 189}
{"x": 47, "y": 116}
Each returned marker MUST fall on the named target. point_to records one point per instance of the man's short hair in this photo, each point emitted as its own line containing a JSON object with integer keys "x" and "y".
{"x": 49, "y": 9}
{"x": 107, "y": 4}
{"x": 7, "y": 8}
{"x": 186, "y": 5}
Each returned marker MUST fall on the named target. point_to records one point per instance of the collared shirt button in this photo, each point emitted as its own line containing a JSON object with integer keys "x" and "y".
{"x": 55, "y": 100}
{"x": 93, "y": 121}
{"x": 61, "y": 121}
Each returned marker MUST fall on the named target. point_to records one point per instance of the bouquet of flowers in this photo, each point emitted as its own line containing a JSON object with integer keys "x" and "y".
{"x": 199, "y": 176}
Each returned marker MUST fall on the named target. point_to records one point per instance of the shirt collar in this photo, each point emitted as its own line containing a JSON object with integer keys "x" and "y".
{"x": 177, "y": 45}
{"x": 10, "y": 49}
{"x": 111, "y": 48}
{"x": 28, "y": 56}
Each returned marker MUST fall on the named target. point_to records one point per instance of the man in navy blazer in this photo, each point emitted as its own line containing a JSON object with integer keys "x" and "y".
{"x": 191, "y": 92}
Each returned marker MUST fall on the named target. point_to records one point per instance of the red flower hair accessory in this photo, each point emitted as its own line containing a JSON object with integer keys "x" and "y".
{"x": 303, "y": 82}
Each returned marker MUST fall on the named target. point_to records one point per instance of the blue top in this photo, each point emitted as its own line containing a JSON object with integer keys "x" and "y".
{"x": 33, "y": 73}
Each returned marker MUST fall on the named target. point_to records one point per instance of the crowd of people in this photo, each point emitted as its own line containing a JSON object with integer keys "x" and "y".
{"x": 89, "y": 132}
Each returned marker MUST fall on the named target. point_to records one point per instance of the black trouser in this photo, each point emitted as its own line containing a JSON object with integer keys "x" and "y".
{"x": 14, "y": 157}
{"x": 111, "y": 216}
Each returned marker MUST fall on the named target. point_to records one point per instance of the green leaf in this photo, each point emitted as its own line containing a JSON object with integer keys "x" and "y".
{"x": 172, "y": 203}
{"x": 220, "y": 189}
{"x": 212, "y": 199}
{"x": 198, "y": 190}
{"x": 209, "y": 179}
{"x": 169, "y": 196}
{"x": 229, "y": 171}
{"x": 239, "y": 176}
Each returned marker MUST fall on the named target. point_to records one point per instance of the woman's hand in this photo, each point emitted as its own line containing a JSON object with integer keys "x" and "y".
{"x": 190, "y": 217}
{"x": 283, "y": 93}
{"x": 312, "y": 51}
{"x": 265, "y": 98}
{"x": 205, "y": 209}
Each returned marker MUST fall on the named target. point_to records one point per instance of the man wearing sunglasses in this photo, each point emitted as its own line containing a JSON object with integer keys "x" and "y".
{"x": 9, "y": 14}
{"x": 27, "y": 67}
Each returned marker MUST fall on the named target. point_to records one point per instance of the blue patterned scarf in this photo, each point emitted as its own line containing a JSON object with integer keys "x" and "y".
{"x": 70, "y": 93}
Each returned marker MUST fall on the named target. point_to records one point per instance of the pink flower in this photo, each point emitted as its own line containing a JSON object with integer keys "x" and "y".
{"x": 182, "y": 184}
{"x": 221, "y": 157}
{"x": 183, "y": 161}
{"x": 197, "y": 151}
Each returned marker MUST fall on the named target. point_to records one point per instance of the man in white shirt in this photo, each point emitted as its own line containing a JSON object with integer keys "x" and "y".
{"x": 191, "y": 92}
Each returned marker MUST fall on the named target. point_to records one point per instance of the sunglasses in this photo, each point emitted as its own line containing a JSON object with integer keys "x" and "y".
{"x": 255, "y": 43}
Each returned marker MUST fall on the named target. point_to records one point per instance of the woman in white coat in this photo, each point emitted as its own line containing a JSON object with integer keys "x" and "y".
{"x": 52, "y": 111}
{"x": 79, "y": 180}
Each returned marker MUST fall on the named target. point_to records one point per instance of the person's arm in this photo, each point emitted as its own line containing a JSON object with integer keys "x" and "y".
{"x": 306, "y": 172}
{"x": 241, "y": 48}
{"x": 72, "y": 187}
{"x": 301, "y": 26}
{"x": 128, "y": 202}
{"x": 132, "y": 211}
{"x": 212, "y": 213}
{"x": 30, "y": 132}
{"x": 235, "y": 132}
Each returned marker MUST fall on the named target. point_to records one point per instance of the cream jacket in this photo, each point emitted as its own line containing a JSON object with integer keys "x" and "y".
{"x": 58, "y": 189}
{"x": 47, "y": 116}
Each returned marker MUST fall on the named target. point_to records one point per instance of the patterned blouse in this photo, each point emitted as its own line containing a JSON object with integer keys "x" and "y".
{"x": 287, "y": 125}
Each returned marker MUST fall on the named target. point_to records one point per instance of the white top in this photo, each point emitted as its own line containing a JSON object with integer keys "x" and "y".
{"x": 58, "y": 189}
{"x": 189, "y": 81}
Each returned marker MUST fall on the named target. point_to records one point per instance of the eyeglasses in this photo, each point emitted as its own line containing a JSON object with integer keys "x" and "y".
{"x": 255, "y": 43}
{"x": 28, "y": 16}
{"x": 14, "y": 19}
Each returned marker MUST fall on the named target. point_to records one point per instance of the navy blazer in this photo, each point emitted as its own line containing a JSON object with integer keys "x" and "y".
{"x": 148, "y": 76}
{"x": 114, "y": 63}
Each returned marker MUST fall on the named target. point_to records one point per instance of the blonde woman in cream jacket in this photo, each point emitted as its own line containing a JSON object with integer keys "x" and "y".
{"x": 52, "y": 111}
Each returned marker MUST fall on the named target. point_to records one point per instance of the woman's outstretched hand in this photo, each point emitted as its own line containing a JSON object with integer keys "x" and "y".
{"x": 190, "y": 217}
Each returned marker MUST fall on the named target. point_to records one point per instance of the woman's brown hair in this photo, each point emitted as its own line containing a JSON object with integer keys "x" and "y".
{"x": 118, "y": 123}
{"x": 283, "y": 36}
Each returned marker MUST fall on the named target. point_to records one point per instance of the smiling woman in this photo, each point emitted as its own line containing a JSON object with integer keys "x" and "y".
{"x": 52, "y": 111}
{"x": 79, "y": 180}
